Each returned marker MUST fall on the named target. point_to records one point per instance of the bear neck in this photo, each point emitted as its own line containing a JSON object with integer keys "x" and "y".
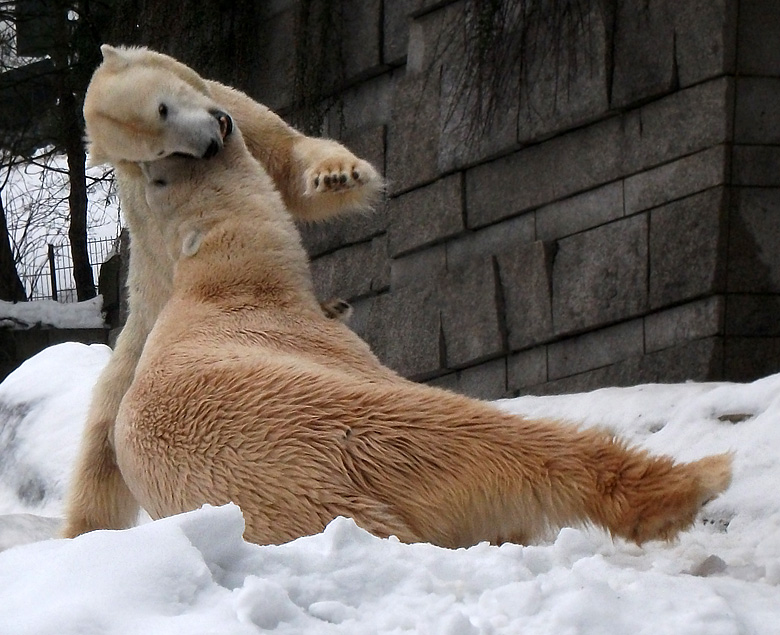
{"x": 253, "y": 260}
{"x": 232, "y": 238}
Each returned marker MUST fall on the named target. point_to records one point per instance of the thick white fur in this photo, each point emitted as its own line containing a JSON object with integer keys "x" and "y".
{"x": 317, "y": 178}
{"x": 245, "y": 392}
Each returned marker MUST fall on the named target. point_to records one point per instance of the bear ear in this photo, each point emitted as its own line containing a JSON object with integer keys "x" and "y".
{"x": 191, "y": 243}
{"x": 113, "y": 57}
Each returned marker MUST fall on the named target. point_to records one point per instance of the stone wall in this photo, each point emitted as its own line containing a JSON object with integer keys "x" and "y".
{"x": 617, "y": 222}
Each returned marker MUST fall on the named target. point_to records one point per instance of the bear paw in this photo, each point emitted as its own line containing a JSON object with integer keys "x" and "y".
{"x": 333, "y": 180}
{"x": 337, "y": 309}
{"x": 333, "y": 175}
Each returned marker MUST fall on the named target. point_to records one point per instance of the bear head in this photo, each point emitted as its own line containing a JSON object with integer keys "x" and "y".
{"x": 141, "y": 106}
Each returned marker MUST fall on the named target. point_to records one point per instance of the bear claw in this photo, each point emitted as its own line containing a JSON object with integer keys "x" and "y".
{"x": 337, "y": 309}
{"x": 338, "y": 175}
{"x": 335, "y": 180}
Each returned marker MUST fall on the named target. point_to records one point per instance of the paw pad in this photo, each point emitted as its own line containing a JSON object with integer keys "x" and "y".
{"x": 335, "y": 178}
{"x": 337, "y": 309}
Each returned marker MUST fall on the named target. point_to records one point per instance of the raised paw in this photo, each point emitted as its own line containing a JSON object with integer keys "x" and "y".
{"x": 334, "y": 180}
{"x": 337, "y": 309}
{"x": 336, "y": 176}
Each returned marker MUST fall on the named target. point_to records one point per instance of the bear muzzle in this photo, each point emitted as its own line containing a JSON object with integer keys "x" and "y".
{"x": 225, "y": 129}
{"x": 225, "y": 122}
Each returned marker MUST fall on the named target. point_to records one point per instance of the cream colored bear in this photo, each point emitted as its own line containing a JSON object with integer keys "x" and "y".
{"x": 318, "y": 178}
{"x": 246, "y": 392}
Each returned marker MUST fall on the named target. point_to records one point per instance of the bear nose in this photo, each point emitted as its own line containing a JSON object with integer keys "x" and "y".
{"x": 225, "y": 122}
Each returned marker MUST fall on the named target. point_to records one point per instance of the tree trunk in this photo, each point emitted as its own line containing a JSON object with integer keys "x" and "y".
{"x": 11, "y": 287}
{"x": 71, "y": 141}
{"x": 77, "y": 200}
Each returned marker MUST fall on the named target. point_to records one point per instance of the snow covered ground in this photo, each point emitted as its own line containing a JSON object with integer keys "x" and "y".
{"x": 63, "y": 315}
{"x": 193, "y": 574}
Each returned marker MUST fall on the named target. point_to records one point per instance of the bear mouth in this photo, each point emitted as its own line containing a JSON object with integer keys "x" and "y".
{"x": 225, "y": 130}
{"x": 212, "y": 150}
{"x": 225, "y": 122}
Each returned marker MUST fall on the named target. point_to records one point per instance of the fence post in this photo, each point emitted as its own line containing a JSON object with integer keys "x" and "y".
{"x": 52, "y": 273}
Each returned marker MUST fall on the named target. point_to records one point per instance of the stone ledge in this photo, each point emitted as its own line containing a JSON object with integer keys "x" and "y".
{"x": 560, "y": 91}
{"x": 485, "y": 381}
{"x": 687, "y": 248}
{"x": 679, "y": 124}
{"x": 527, "y": 368}
{"x": 510, "y": 234}
{"x": 757, "y": 119}
{"x": 681, "y": 178}
{"x": 595, "y": 349}
{"x": 756, "y": 165}
{"x": 754, "y": 236}
{"x": 750, "y": 358}
{"x": 600, "y": 276}
{"x": 644, "y": 52}
{"x": 704, "y": 45}
{"x": 426, "y": 215}
{"x": 525, "y": 275}
{"x": 363, "y": 48}
{"x": 418, "y": 268}
{"x": 700, "y": 360}
{"x": 326, "y": 237}
{"x": 673, "y": 327}
{"x": 18, "y": 346}
{"x": 354, "y": 271}
{"x": 753, "y": 315}
{"x": 469, "y": 314}
{"x": 758, "y": 33}
{"x": 404, "y": 331}
{"x": 580, "y": 212}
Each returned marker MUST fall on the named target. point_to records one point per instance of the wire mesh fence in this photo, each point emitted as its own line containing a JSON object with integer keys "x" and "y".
{"x": 53, "y": 280}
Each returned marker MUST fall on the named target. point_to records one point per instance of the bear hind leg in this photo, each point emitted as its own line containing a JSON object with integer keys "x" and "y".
{"x": 653, "y": 498}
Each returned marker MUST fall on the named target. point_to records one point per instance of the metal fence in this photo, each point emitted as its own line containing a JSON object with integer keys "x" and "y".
{"x": 54, "y": 280}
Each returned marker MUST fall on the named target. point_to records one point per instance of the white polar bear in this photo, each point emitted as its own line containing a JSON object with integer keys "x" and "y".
{"x": 246, "y": 392}
{"x": 317, "y": 178}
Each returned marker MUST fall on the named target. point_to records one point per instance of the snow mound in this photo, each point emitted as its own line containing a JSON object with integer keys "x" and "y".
{"x": 43, "y": 405}
{"x": 194, "y": 573}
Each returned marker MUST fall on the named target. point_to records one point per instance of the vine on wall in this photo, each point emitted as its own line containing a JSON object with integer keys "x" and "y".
{"x": 508, "y": 45}
{"x": 320, "y": 70}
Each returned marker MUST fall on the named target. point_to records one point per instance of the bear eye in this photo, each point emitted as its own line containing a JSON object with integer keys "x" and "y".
{"x": 163, "y": 110}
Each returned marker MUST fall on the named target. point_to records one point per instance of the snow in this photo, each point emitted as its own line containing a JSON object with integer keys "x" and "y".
{"x": 70, "y": 315}
{"x": 194, "y": 574}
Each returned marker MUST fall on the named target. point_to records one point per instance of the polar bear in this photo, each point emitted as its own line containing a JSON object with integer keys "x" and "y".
{"x": 317, "y": 178}
{"x": 246, "y": 392}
